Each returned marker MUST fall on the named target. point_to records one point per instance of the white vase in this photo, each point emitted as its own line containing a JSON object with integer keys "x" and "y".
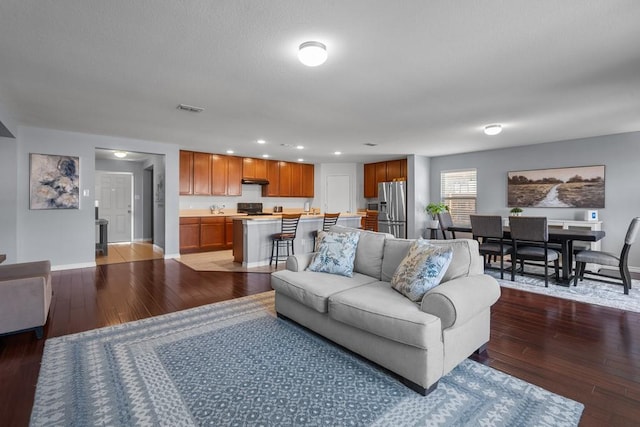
{"x": 433, "y": 223}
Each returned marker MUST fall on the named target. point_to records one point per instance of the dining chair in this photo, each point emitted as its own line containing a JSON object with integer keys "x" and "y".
{"x": 529, "y": 238}
{"x": 487, "y": 229}
{"x": 288, "y": 229}
{"x": 371, "y": 220}
{"x": 444, "y": 218}
{"x": 328, "y": 220}
{"x": 605, "y": 258}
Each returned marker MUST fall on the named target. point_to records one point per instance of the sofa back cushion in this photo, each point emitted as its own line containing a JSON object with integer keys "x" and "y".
{"x": 466, "y": 259}
{"x": 369, "y": 251}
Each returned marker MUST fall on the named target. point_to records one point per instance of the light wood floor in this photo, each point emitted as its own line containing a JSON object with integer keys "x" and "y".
{"x": 129, "y": 251}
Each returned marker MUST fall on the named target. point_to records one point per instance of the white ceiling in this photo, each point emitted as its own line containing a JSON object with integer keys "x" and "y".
{"x": 412, "y": 76}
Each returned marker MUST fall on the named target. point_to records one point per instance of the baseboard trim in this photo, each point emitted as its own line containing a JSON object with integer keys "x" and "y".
{"x": 72, "y": 266}
{"x": 171, "y": 256}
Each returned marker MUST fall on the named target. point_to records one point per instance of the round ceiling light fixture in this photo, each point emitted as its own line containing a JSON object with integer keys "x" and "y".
{"x": 312, "y": 53}
{"x": 120, "y": 154}
{"x": 492, "y": 129}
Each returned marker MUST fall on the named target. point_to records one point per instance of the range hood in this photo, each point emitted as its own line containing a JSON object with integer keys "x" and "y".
{"x": 257, "y": 181}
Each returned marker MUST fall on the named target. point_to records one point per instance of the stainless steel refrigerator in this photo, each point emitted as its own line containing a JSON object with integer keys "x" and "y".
{"x": 392, "y": 208}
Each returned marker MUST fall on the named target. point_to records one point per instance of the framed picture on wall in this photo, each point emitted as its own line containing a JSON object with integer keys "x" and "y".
{"x": 54, "y": 182}
{"x": 573, "y": 187}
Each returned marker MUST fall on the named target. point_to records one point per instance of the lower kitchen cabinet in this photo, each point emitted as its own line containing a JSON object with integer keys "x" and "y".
{"x": 189, "y": 235}
{"x": 207, "y": 233}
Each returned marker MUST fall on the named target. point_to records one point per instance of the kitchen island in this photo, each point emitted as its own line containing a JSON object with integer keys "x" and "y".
{"x": 252, "y": 235}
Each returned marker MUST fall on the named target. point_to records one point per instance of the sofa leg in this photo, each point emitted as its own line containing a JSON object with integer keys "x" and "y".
{"x": 418, "y": 388}
{"x": 482, "y": 349}
{"x": 39, "y": 332}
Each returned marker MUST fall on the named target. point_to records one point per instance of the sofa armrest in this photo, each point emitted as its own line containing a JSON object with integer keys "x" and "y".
{"x": 458, "y": 300}
{"x": 299, "y": 262}
{"x": 24, "y": 302}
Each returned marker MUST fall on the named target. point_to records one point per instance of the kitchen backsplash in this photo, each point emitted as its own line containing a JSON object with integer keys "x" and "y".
{"x": 250, "y": 193}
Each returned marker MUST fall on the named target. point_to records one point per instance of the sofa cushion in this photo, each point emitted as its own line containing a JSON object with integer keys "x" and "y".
{"x": 369, "y": 252}
{"x": 335, "y": 253}
{"x": 312, "y": 289}
{"x": 421, "y": 269}
{"x": 378, "y": 309}
{"x": 466, "y": 259}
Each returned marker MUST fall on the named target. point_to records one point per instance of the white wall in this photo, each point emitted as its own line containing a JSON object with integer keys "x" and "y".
{"x": 8, "y": 198}
{"x": 619, "y": 153}
{"x": 417, "y": 195}
{"x": 67, "y": 237}
{"x": 348, "y": 169}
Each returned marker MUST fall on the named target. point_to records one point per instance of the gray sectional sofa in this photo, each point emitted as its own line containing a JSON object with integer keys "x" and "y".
{"x": 420, "y": 342}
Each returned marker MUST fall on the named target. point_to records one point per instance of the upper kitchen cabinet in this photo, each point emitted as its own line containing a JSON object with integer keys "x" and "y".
{"x": 254, "y": 168}
{"x": 288, "y": 179}
{"x": 234, "y": 176}
{"x": 307, "y": 180}
{"x": 186, "y": 172}
{"x": 226, "y": 175}
{"x": 273, "y": 176}
{"x": 375, "y": 173}
{"x": 286, "y": 185}
{"x": 201, "y": 173}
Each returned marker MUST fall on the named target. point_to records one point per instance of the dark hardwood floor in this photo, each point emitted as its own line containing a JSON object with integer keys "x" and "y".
{"x": 584, "y": 352}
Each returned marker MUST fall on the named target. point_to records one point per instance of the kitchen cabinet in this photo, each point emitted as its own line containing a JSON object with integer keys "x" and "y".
{"x": 219, "y": 175}
{"x": 201, "y": 173}
{"x": 234, "y": 176}
{"x": 186, "y": 172}
{"x": 285, "y": 179}
{"x": 382, "y": 172}
{"x": 228, "y": 231}
{"x": 254, "y": 168}
{"x": 189, "y": 235}
{"x": 296, "y": 179}
{"x": 273, "y": 176}
{"x": 212, "y": 233}
{"x": 307, "y": 180}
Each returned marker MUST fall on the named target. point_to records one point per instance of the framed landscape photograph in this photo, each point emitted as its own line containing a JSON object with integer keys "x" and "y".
{"x": 574, "y": 187}
{"x": 54, "y": 182}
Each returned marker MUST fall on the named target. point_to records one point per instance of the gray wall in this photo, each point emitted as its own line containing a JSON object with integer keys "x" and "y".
{"x": 66, "y": 237}
{"x": 8, "y": 198}
{"x": 619, "y": 153}
{"x": 417, "y": 195}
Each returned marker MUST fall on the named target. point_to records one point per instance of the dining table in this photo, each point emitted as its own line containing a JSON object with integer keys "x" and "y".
{"x": 563, "y": 236}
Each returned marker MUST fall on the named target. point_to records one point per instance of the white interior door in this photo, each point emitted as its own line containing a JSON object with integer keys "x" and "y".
{"x": 113, "y": 192}
{"x": 338, "y": 193}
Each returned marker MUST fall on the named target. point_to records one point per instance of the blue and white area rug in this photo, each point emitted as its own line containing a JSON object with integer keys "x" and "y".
{"x": 236, "y": 364}
{"x": 589, "y": 291}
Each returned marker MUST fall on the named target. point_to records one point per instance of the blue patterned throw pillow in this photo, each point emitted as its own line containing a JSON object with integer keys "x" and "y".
{"x": 335, "y": 253}
{"x": 421, "y": 270}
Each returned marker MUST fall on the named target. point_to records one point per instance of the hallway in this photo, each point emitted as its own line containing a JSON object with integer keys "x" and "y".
{"x": 130, "y": 251}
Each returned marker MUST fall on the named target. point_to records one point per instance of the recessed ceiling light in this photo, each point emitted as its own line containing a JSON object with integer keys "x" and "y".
{"x": 493, "y": 129}
{"x": 230, "y": 151}
{"x": 337, "y": 153}
{"x": 312, "y": 53}
{"x": 261, "y": 141}
{"x": 120, "y": 154}
{"x": 301, "y": 160}
{"x": 300, "y": 147}
{"x": 265, "y": 156}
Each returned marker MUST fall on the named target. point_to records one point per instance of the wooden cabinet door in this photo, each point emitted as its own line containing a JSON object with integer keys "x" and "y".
{"x": 186, "y": 172}
{"x": 219, "y": 172}
{"x": 212, "y": 233}
{"x": 189, "y": 234}
{"x": 201, "y": 173}
{"x": 285, "y": 179}
{"x": 381, "y": 175}
{"x": 370, "y": 184}
{"x": 261, "y": 168}
{"x": 403, "y": 169}
{"x": 296, "y": 179}
{"x": 249, "y": 167}
{"x": 234, "y": 176}
{"x": 394, "y": 170}
{"x": 228, "y": 231}
{"x": 307, "y": 180}
{"x": 273, "y": 175}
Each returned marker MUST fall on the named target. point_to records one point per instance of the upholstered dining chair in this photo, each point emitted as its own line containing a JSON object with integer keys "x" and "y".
{"x": 444, "y": 218}
{"x": 288, "y": 229}
{"x": 371, "y": 220}
{"x": 487, "y": 229}
{"x": 328, "y": 220}
{"x": 529, "y": 238}
{"x": 605, "y": 258}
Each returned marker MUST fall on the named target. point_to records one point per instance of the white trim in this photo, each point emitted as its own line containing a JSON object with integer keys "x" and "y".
{"x": 73, "y": 266}
{"x": 171, "y": 256}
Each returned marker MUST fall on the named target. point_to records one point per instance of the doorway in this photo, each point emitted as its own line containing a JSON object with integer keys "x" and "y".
{"x": 115, "y": 204}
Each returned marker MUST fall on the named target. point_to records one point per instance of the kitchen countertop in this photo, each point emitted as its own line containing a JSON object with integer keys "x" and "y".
{"x": 190, "y": 213}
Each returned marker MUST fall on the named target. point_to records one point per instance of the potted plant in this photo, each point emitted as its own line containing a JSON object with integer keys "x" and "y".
{"x": 516, "y": 211}
{"x": 433, "y": 209}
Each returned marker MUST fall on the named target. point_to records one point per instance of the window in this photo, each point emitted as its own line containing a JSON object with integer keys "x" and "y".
{"x": 458, "y": 191}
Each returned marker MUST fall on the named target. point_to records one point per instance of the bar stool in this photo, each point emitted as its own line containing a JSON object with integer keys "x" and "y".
{"x": 371, "y": 220}
{"x": 328, "y": 220}
{"x": 289, "y": 226}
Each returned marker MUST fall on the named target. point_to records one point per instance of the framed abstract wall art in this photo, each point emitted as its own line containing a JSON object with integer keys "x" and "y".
{"x": 574, "y": 187}
{"x": 54, "y": 182}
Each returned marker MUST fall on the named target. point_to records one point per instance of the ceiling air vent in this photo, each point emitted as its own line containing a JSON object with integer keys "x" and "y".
{"x": 370, "y": 144}
{"x": 190, "y": 108}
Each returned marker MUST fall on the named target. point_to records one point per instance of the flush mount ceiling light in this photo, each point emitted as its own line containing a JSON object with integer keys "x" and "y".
{"x": 492, "y": 129}
{"x": 301, "y": 160}
{"x": 229, "y": 151}
{"x": 312, "y": 53}
{"x": 266, "y": 156}
{"x": 120, "y": 154}
{"x": 261, "y": 141}
{"x": 337, "y": 153}
{"x": 300, "y": 147}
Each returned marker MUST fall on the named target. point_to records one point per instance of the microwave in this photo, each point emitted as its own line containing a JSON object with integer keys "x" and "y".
{"x": 372, "y": 206}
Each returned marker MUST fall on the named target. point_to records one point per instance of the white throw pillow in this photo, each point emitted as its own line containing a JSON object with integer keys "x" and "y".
{"x": 335, "y": 253}
{"x": 421, "y": 269}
